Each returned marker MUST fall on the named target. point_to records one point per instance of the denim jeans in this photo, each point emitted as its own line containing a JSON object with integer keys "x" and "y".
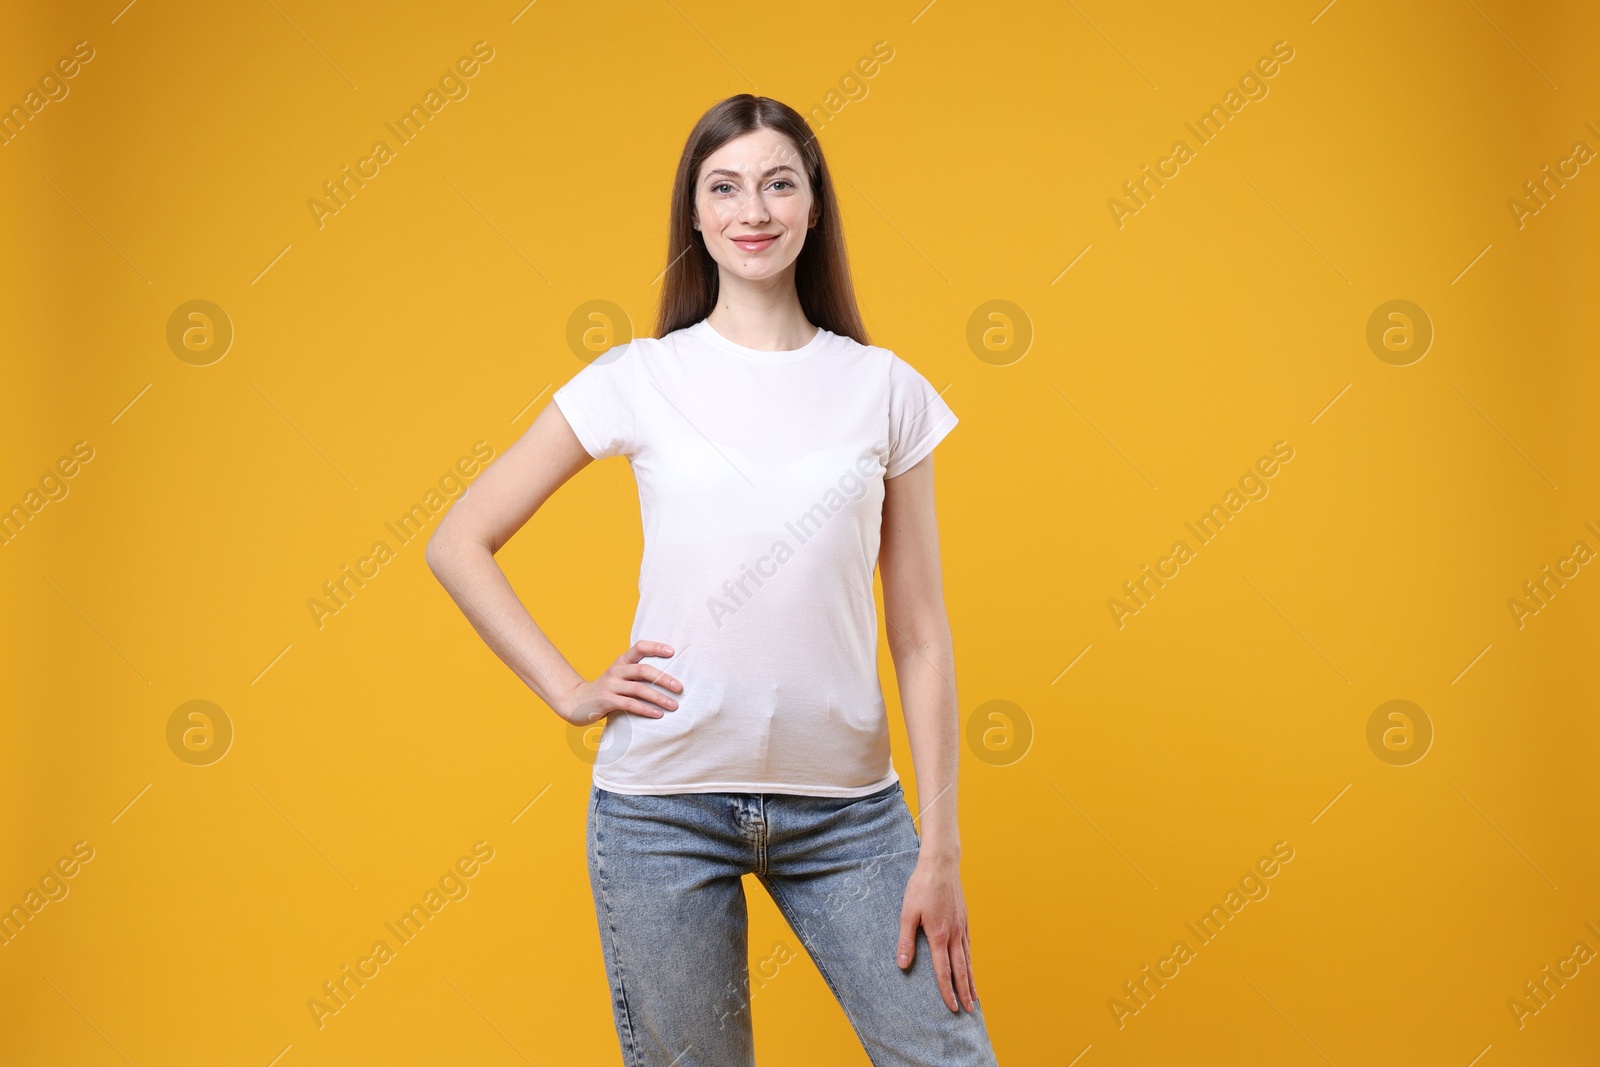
{"x": 666, "y": 874}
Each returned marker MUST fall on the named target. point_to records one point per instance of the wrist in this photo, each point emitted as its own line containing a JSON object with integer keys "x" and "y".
{"x": 562, "y": 701}
{"x": 939, "y": 855}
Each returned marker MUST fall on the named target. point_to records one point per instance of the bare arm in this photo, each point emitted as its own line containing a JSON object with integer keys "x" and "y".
{"x": 461, "y": 555}
{"x": 921, "y": 647}
{"x": 924, "y": 664}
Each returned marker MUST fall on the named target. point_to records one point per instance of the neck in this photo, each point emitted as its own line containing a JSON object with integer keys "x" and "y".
{"x": 767, "y": 319}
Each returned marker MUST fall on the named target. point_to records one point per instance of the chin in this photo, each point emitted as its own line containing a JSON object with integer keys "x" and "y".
{"x": 755, "y": 272}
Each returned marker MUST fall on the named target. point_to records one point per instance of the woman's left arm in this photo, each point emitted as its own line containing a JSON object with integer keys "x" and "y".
{"x": 924, "y": 664}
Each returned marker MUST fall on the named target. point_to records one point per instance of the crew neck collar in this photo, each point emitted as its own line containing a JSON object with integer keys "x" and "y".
{"x": 704, "y": 331}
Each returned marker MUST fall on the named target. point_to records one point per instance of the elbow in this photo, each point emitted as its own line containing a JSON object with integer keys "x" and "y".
{"x": 929, "y": 637}
{"x": 439, "y": 550}
{"x": 434, "y": 557}
{"x": 446, "y": 547}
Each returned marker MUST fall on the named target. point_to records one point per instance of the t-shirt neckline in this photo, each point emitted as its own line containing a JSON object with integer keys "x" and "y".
{"x": 708, "y": 333}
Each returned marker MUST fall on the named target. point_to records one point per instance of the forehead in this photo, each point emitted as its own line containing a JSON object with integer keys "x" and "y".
{"x": 754, "y": 154}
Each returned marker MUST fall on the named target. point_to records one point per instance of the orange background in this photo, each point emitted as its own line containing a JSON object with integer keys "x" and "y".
{"x": 432, "y": 311}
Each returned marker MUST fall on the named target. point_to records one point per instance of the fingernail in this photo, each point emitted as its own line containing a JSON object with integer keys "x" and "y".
{"x": 903, "y": 959}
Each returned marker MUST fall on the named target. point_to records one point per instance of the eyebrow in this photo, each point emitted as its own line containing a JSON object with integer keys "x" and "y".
{"x": 735, "y": 174}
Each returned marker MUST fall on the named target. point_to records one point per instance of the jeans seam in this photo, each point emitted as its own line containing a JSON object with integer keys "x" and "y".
{"x": 761, "y": 838}
{"x": 632, "y": 1045}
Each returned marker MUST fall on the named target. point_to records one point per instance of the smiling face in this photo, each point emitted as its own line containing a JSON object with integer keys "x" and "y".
{"x": 753, "y": 204}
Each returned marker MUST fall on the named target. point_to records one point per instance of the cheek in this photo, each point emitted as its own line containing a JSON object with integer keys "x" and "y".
{"x": 794, "y": 213}
{"x": 720, "y": 211}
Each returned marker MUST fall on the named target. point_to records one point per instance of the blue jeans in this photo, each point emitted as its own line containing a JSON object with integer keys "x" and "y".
{"x": 666, "y": 874}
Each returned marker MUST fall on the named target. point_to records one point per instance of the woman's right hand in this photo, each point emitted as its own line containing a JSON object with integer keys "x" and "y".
{"x": 626, "y": 685}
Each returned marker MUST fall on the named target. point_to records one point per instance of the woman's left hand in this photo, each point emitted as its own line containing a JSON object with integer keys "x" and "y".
{"x": 933, "y": 901}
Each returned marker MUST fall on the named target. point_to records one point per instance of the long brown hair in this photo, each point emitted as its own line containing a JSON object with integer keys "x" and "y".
{"x": 822, "y": 270}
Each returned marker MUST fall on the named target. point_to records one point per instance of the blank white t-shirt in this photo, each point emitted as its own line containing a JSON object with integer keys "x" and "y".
{"x": 760, "y": 480}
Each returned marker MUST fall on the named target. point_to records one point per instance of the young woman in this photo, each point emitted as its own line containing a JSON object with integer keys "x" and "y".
{"x": 779, "y": 458}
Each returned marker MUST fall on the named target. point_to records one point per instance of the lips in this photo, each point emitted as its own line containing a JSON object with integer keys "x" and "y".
{"x": 756, "y": 242}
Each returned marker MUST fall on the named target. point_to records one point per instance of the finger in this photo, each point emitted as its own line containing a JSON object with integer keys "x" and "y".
{"x": 641, "y": 649}
{"x": 906, "y": 950}
{"x": 939, "y": 941}
{"x": 645, "y": 692}
{"x": 961, "y": 966}
{"x": 639, "y": 707}
{"x": 972, "y": 978}
{"x": 651, "y": 673}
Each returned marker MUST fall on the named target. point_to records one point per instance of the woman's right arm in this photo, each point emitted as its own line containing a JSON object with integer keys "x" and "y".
{"x": 461, "y": 555}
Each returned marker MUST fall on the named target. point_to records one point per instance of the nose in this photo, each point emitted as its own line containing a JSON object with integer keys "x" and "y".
{"x": 753, "y": 208}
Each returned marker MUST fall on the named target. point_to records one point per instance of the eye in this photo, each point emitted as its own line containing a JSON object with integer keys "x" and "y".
{"x": 720, "y": 185}
{"x": 783, "y": 181}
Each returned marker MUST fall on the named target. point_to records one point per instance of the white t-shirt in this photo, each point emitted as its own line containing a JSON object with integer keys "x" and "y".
{"x": 760, "y": 480}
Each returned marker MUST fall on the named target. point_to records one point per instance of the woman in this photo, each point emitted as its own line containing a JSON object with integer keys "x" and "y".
{"x": 779, "y": 457}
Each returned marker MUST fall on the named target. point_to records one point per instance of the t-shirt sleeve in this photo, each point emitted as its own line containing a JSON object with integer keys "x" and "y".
{"x": 598, "y": 403}
{"x": 918, "y": 418}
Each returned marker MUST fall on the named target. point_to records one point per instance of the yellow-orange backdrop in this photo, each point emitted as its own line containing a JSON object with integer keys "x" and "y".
{"x": 1118, "y": 371}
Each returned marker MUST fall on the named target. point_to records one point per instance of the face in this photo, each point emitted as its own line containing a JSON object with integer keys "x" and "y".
{"x": 753, "y": 204}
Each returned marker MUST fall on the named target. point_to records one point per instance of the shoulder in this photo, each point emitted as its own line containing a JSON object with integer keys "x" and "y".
{"x": 646, "y": 352}
{"x": 876, "y": 357}
{"x": 637, "y": 347}
{"x": 879, "y": 356}
{"x": 894, "y": 379}
{"x": 651, "y": 345}
{"x": 903, "y": 376}
{"x": 627, "y": 358}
